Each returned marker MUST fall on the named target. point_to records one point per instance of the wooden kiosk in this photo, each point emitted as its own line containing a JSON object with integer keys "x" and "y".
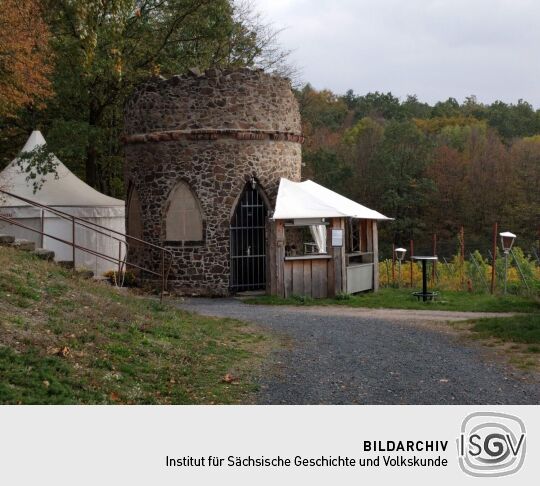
{"x": 321, "y": 243}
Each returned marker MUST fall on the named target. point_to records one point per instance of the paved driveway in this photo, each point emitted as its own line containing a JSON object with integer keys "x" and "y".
{"x": 340, "y": 355}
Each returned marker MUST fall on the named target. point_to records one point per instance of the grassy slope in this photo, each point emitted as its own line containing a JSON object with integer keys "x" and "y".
{"x": 402, "y": 299}
{"x": 68, "y": 340}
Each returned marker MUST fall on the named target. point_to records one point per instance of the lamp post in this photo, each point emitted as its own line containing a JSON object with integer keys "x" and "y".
{"x": 400, "y": 254}
{"x": 507, "y": 240}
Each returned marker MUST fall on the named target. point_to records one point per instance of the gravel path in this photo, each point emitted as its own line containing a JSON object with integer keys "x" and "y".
{"x": 340, "y": 355}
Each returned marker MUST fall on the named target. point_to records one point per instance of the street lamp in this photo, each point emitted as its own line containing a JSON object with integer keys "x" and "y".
{"x": 507, "y": 240}
{"x": 400, "y": 255}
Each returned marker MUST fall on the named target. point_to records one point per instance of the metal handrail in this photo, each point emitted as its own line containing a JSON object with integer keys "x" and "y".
{"x": 93, "y": 227}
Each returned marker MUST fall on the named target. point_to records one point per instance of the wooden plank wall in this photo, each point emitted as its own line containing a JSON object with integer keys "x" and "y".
{"x": 306, "y": 277}
{"x": 317, "y": 278}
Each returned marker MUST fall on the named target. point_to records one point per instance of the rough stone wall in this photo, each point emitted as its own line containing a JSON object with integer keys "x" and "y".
{"x": 214, "y": 132}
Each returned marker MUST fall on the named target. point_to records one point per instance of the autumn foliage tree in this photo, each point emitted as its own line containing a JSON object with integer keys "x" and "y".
{"x": 103, "y": 49}
{"x": 24, "y": 56}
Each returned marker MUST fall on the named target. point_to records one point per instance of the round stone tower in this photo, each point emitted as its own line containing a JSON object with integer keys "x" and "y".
{"x": 204, "y": 156}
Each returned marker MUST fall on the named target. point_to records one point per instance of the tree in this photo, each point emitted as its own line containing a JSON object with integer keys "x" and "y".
{"x": 24, "y": 56}
{"x": 511, "y": 121}
{"x": 446, "y": 211}
{"x": 525, "y": 203}
{"x": 448, "y": 108}
{"x": 362, "y": 143}
{"x": 401, "y": 183}
{"x": 255, "y": 42}
{"x": 377, "y": 105}
{"x": 104, "y": 48}
{"x": 321, "y": 109}
{"x": 413, "y": 108}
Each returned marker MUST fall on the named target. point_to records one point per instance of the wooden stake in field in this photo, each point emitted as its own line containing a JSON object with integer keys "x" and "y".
{"x": 393, "y": 264}
{"x": 434, "y": 265}
{"x": 494, "y": 258}
{"x": 462, "y": 254}
{"x": 411, "y": 262}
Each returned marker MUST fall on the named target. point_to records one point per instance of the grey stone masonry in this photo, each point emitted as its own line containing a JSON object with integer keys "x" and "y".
{"x": 215, "y": 132}
{"x": 243, "y": 101}
{"x": 25, "y": 245}
{"x": 44, "y": 254}
{"x": 7, "y": 240}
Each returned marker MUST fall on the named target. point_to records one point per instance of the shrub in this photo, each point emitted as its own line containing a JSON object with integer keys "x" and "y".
{"x": 125, "y": 279}
{"x": 302, "y": 299}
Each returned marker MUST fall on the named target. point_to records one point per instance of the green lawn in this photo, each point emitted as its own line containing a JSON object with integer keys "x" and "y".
{"x": 524, "y": 328}
{"x": 67, "y": 340}
{"x": 516, "y": 337}
{"x": 402, "y": 299}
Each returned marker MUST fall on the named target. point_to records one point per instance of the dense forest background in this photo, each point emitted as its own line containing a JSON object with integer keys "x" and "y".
{"x": 432, "y": 168}
{"x": 67, "y": 67}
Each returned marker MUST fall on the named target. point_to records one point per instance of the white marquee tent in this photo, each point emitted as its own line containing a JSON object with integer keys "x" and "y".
{"x": 67, "y": 193}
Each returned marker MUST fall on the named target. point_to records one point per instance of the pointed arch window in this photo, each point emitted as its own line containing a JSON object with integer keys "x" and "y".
{"x": 183, "y": 216}
{"x": 134, "y": 215}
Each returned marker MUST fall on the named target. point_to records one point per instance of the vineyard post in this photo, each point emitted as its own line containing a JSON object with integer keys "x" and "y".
{"x": 494, "y": 258}
{"x": 393, "y": 264}
{"x": 434, "y": 266}
{"x": 462, "y": 254}
{"x": 411, "y": 262}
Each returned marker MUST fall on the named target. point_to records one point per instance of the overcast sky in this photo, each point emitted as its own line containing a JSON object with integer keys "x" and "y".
{"x": 432, "y": 48}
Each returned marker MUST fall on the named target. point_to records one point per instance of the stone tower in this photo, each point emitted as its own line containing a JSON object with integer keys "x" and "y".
{"x": 204, "y": 156}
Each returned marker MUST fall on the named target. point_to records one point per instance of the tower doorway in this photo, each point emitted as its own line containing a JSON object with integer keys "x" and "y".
{"x": 248, "y": 241}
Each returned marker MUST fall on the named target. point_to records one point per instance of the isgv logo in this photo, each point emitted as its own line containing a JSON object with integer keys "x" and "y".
{"x": 491, "y": 444}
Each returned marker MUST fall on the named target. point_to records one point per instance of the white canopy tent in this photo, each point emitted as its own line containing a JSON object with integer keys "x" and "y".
{"x": 309, "y": 200}
{"x": 65, "y": 192}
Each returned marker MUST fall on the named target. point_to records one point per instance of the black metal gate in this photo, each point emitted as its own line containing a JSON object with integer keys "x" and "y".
{"x": 248, "y": 242}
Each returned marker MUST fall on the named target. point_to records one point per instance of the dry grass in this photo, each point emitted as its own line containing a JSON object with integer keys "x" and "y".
{"x": 64, "y": 339}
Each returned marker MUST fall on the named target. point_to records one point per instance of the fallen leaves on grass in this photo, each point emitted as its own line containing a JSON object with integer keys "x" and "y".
{"x": 228, "y": 378}
{"x": 63, "y": 352}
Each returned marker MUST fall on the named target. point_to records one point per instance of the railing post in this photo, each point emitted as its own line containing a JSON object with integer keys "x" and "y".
{"x": 73, "y": 239}
{"x": 42, "y": 223}
{"x": 162, "y": 275}
{"x": 119, "y": 258}
{"x": 123, "y": 264}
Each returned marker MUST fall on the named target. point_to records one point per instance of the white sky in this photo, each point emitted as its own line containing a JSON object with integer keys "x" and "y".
{"x": 432, "y": 48}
